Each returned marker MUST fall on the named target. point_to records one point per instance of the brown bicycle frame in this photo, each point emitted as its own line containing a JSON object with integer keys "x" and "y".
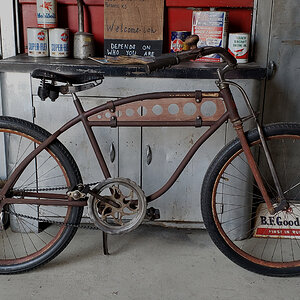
{"x": 63, "y": 200}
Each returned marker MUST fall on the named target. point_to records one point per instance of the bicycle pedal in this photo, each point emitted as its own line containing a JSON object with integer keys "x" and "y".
{"x": 152, "y": 214}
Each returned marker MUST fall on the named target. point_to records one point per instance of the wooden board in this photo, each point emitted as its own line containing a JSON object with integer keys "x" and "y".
{"x": 133, "y": 27}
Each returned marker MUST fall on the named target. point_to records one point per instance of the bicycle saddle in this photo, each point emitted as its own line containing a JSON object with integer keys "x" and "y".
{"x": 72, "y": 78}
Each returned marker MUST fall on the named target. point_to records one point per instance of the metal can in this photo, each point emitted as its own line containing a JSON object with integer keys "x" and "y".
{"x": 59, "y": 42}
{"x": 46, "y": 11}
{"x": 238, "y": 46}
{"x": 177, "y": 40}
{"x": 37, "y": 42}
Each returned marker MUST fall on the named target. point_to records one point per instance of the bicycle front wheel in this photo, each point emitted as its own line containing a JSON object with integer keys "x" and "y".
{"x": 234, "y": 211}
{"x": 28, "y": 242}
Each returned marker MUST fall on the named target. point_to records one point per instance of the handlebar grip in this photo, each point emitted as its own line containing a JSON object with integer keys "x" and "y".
{"x": 231, "y": 61}
{"x": 162, "y": 62}
{"x": 167, "y": 60}
{"x": 170, "y": 59}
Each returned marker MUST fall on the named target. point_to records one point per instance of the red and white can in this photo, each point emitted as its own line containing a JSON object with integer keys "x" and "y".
{"x": 37, "y": 42}
{"x": 238, "y": 46}
{"x": 59, "y": 42}
{"x": 177, "y": 40}
{"x": 46, "y": 11}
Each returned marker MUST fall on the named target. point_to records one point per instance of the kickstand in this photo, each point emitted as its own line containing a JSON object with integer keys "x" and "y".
{"x": 105, "y": 244}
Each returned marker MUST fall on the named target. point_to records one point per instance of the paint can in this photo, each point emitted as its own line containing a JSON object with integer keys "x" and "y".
{"x": 37, "y": 42}
{"x": 177, "y": 40}
{"x": 238, "y": 46}
{"x": 59, "y": 42}
{"x": 46, "y": 11}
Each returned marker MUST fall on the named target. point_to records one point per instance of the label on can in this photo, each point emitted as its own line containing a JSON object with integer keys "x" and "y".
{"x": 238, "y": 46}
{"x": 212, "y": 29}
{"x": 59, "y": 42}
{"x": 37, "y": 42}
{"x": 177, "y": 40}
{"x": 46, "y": 13}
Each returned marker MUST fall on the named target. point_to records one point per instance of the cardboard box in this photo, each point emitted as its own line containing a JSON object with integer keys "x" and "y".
{"x": 133, "y": 27}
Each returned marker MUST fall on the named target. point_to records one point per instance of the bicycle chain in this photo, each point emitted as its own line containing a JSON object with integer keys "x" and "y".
{"x": 55, "y": 188}
{"x": 52, "y": 221}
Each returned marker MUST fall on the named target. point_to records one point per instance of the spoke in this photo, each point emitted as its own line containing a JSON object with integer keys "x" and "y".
{"x": 246, "y": 222}
{"x": 35, "y": 172}
{"x": 271, "y": 188}
{"x": 3, "y": 244}
{"x": 37, "y": 235}
{"x": 237, "y": 195}
{"x": 32, "y": 225}
{"x": 12, "y": 248}
{"x": 20, "y": 223}
{"x": 283, "y": 148}
{"x": 292, "y": 243}
{"x": 295, "y": 237}
{"x": 291, "y": 188}
{"x": 234, "y": 187}
{"x": 39, "y": 181}
{"x": 237, "y": 208}
{"x": 40, "y": 211}
{"x": 23, "y": 221}
{"x": 18, "y": 160}
{"x": 267, "y": 239}
{"x": 20, "y": 140}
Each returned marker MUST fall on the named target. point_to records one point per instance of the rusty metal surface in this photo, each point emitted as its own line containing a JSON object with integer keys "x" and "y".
{"x": 254, "y": 168}
{"x": 165, "y": 110}
{"x": 187, "y": 158}
{"x": 39, "y": 201}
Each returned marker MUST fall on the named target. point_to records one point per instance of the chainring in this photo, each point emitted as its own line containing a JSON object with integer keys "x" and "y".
{"x": 117, "y": 205}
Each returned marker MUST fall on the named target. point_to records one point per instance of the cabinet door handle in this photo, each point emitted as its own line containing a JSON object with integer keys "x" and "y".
{"x": 112, "y": 152}
{"x": 271, "y": 69}
{"x": 148, "y": 154}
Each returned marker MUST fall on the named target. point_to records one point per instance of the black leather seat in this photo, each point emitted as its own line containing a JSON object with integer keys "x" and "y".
{"x": 72, "y": 78}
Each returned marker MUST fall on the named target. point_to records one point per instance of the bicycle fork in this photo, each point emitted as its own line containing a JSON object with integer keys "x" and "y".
{"x": 238, "y": 126}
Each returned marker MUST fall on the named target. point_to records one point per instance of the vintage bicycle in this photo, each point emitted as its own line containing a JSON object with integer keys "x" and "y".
{"x": 250, "y": 195}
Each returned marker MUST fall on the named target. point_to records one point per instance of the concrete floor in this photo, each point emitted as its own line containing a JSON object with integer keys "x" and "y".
{"x": 149, "y": 263}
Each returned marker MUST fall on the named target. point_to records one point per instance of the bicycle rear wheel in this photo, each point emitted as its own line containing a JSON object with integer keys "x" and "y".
{"x": 233, "y": 208}
{"x": 26, "y": 243}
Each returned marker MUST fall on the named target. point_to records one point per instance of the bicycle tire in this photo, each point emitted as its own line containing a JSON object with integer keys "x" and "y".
{"x": 27, "y": 244}
{"x": 232, "y": 207}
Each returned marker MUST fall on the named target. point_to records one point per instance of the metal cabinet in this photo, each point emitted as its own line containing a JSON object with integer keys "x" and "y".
{"x": 181, "y": 204}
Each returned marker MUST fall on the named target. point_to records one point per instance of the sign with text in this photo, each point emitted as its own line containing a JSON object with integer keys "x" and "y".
{"x": 133, "y": 27}
{"x": 283, "y": 224}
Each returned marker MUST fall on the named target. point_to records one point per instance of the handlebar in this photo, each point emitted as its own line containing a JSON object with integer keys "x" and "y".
{"x": 171, "y": 59}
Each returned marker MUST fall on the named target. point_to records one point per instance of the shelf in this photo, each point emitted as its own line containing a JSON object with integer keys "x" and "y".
{"x": 193, "y": 70}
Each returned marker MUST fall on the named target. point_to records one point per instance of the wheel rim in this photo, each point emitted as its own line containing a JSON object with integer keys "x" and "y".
{"x": 25, "y": 240}
{"x": 238, "y": 221}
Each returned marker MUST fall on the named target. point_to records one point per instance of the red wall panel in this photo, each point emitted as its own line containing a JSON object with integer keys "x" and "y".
{"x": 177, "y": 17}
